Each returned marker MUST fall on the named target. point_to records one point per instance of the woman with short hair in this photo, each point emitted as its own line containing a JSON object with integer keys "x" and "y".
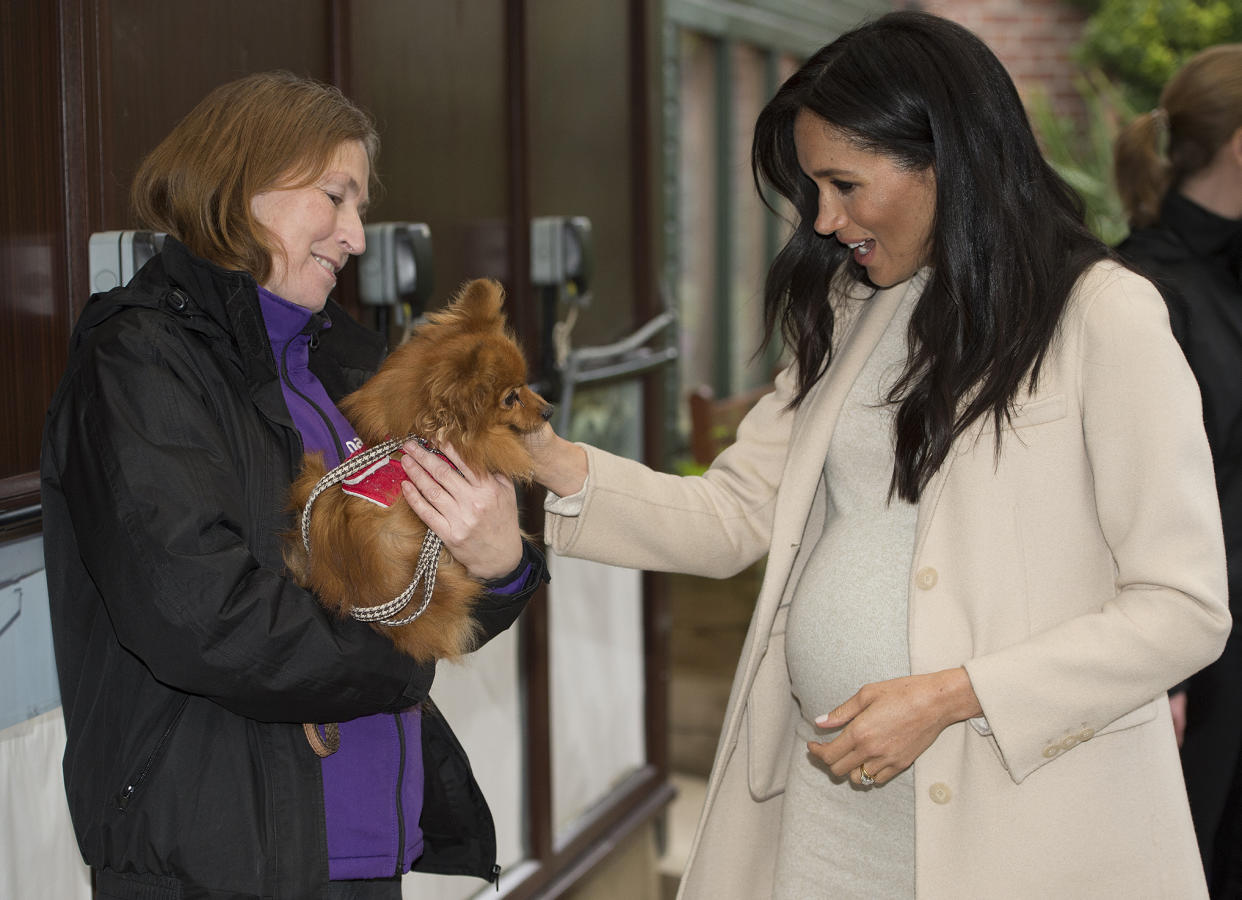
{"x": 187, "y": 656}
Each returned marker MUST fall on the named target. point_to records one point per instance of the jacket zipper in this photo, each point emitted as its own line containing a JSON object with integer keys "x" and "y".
{"x": 400, "y": 804}
{"x": 284, "y": 377}
{"x": 123, "y": 799}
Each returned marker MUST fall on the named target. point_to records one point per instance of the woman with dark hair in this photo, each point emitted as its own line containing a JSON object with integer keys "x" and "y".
{"x": 1179, "y": 174}
{"x": 187, "y": 658}
{"x": 986, "y": 504}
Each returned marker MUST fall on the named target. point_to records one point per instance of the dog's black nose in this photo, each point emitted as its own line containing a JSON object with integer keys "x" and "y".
{"x": 547, "y": 411}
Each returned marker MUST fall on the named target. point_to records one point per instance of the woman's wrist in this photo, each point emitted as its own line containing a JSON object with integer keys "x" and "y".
{"x": 514, "y": 579}
{"x": 958, "y": 696}
{"x": 560, "y": 465}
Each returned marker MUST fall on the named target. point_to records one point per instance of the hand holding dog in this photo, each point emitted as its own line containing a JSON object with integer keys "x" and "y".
{"x": 458, "y": 381}
{"x": 476, "y": 516}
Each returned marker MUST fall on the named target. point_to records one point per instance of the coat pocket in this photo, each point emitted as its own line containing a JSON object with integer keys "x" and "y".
{"x": 1144, "y": 714}
{"x": 134, "y": 783}
{"x": 770, "y": 717}
{"x": 1039, "y": 412}
{"x": 980, "y": 436}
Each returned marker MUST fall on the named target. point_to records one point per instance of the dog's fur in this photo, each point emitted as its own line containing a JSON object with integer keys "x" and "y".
{"x": 460, "y": 379}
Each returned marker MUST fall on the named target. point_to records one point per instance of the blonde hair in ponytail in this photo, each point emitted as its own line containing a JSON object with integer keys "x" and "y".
{"x": 1140, "y": 168}
{"x": 1200, "y": 110}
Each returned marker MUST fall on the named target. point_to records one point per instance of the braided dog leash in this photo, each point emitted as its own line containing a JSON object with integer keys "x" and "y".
{"x": 428, "y": 557}
{"x": 428, "y": 561}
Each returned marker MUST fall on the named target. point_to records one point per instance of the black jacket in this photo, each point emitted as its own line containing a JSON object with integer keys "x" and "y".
{"x": 186, "y": 658}
{"x": 1195, "y": 259}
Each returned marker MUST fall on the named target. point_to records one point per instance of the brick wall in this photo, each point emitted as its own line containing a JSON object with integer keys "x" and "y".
{"x": 1033, "y": 38}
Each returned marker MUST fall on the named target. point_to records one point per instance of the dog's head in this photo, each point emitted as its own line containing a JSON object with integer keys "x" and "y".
{"x": 459, "y": 379}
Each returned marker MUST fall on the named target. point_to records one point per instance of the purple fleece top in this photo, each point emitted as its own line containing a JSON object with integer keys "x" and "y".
{"x": 373, "y": 785}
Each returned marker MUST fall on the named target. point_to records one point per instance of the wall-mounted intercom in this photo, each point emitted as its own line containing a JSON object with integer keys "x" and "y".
{"x": 561, "y": 258}
{"x": 561, "y": 253}
{"x": 396, "y": 269}
{"x": 116, "y": 255}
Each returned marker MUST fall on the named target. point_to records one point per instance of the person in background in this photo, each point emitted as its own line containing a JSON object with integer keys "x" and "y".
{"x": 187, "y": 658}
{"x": 1178, "y": 170}
{"x": 986, "y": 503}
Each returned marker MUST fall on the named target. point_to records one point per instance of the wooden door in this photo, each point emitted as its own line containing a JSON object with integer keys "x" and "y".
{"x": 490, "y": 112}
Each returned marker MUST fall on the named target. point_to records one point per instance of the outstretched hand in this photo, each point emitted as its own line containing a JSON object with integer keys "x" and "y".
{"x": 890, "y": 723}
{"x": 560, "y": 465}
{"x": 475, "y": 515}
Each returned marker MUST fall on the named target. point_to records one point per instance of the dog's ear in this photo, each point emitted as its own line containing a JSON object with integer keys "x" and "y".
{"x": 459, "y": 400}
{"x": 480, "y": 302}
{"x": 476, "y": 307}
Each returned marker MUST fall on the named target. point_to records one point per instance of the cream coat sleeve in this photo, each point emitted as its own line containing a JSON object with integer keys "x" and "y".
{"x": 714, "y": 525}
{"x": 1147, "y": 462}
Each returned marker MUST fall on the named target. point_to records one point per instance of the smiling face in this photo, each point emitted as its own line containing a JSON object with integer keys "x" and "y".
{"x": 318, "y": 227}
{"x": 883, "y": 212}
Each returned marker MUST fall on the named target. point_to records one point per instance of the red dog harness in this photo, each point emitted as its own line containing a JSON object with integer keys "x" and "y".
{"x": 380, "y": 482}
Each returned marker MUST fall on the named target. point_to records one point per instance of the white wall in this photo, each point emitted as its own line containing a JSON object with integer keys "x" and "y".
{"x": 38, "y": 854}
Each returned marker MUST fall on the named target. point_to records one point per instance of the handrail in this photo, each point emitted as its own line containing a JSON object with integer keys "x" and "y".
{"x": 636, "y": 364}
{"x": 21, "y": 510}
{"x": 624, "y": 358}
{"x": 637, "y": 339}
{"x": 23, "y": 515}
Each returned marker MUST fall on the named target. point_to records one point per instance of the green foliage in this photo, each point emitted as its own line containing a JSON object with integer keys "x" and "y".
{"x": 1129, "y": 50}
{"x": 684, "y": 465}
{"x": 1139, "y": 44}
{"x": 1082, "y": 152}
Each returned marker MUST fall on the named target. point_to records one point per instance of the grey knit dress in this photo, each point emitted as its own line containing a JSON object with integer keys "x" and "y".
{"x": 847, "y": 627}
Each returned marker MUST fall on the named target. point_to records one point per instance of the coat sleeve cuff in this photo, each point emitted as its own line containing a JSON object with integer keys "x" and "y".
{"x": 530, "y": 567}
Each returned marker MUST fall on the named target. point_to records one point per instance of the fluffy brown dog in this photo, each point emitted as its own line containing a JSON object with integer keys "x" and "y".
{"x": 460, "y": 379}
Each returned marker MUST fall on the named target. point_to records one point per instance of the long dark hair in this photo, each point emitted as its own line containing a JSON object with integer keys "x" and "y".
{"x": 1008, "y": 241}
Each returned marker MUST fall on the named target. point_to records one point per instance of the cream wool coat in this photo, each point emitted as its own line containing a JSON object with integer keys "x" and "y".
{"x": 1077, "y": 577}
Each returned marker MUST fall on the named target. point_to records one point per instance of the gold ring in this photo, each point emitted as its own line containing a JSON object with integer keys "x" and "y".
{"x": 866, "y": 778}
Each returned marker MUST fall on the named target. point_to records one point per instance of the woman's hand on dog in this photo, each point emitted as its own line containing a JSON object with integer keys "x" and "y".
{"x": 476, "y": 516}
{"x": 560, "y": 465}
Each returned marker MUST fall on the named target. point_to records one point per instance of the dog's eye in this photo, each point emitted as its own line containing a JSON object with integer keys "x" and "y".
{"x": 511, "y": 398}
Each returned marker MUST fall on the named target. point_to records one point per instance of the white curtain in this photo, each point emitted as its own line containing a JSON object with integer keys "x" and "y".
{"x": 38, "y": 854}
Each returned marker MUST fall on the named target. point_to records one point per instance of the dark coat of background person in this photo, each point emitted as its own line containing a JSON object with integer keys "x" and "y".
{"x": 1195, "y": 259}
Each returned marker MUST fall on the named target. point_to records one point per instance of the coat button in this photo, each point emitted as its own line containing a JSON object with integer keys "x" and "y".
{"x": 1051, "y": 750}
{"x": 1086, "y": 734}
{"x": 940, "y": 793}
{"x": 1070, "y": 742}
{"x": 926, "y": 578}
